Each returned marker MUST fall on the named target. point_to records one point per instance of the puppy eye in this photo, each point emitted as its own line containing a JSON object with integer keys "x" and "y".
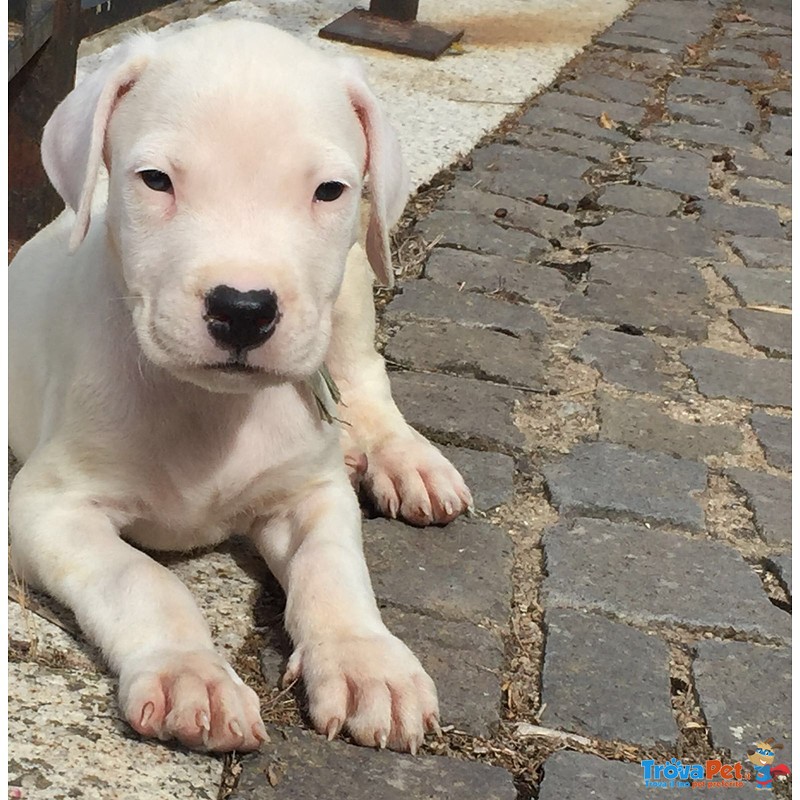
{"x": 329, "y": 191}
{"x": 156, "y": 180}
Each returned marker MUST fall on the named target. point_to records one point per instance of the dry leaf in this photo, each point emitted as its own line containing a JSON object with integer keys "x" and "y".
{"x": 273, "y": 776}
{"x": 605, "y": 121}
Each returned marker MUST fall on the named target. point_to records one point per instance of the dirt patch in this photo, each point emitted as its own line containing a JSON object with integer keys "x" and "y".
{"x": 567, "y": 26}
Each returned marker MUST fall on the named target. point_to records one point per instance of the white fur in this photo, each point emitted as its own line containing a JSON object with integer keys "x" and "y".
{"x": 127, "y": 430}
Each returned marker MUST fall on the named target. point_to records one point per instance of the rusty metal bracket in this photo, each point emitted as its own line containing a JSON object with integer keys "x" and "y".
{"x": 391, "y": 25}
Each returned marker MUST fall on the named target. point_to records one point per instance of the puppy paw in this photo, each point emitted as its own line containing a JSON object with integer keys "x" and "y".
{"x": 373, "y": 686}
{"x": 408, "y": 477}
{"x": 193, "y": 697}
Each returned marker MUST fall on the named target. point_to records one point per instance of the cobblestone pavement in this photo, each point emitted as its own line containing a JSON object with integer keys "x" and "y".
{"x": 599, "y": 337}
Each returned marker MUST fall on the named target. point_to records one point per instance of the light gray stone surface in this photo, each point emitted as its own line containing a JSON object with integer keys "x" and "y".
{"x": 642, "y": 425}
{"x": 525, "y": 173}
{"x": 461, "y": 572}
{"x": 640, "y": 199}
{"x": 682, "y": 171}
{"x": 464, "y": 661}
{"x": 671, "y": 235}
{"x": 771, "y": 287}
{"x": 653, "y": 291}
{"x": 764, "y": 381}
{"x": 648, "y": 576}
{"x": 462, "y": 230}
{"x": 426, "y": 300}
{"x": 307, "y": 767}
{"x": 634, "y": 362}
{"x": 770, "y": 499}
{"x": 603, "y": 87}
{"x": 471, "y": 352}
{"x": 741, "y": 220}
{"x": 783, "y": 566}
{"x": 753, "y": 190}
{"x": 489, "y": 476}
{"x": 763, "y": 252}
{"x": 524, "y": 215}
{"x": 775, "y": 437}
{"x": 468, "y": 272}
{"x": 591, "y": 108}
{"x": 580, "y": 146}
{"x": 459, "y": 411}
{"x": 577, "y": 776}
{"x": 602, "y": 479}
{"x": 745, "y": 693}
{"x": 765, "y": 330}
{"x": 555, "y": 119}
{"x": 66, "y": 740}
{"x": 606, "y": 680}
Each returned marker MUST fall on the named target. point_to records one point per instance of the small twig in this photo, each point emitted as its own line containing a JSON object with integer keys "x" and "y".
{"x": 42, "y": 611}
{"x": 281, "y": 694}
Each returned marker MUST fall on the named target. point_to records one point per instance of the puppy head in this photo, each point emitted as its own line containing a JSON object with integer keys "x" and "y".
{"x": 236, "y": 157}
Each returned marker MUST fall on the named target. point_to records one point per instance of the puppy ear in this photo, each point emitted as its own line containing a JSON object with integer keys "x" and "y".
{"x": 388, "y": 176}
{"x": 73, "y": 139}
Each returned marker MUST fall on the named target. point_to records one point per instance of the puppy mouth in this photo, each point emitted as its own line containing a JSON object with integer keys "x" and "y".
{"x": 234, "y": 367}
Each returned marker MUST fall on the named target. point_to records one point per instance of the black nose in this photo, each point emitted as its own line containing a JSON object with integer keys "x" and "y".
{"x": 241, "y": 321}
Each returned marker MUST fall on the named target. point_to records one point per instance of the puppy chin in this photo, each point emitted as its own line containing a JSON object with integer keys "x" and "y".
{"x": 223, "y": 382}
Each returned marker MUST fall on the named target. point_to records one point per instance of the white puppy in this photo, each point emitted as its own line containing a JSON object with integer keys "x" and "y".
{"x": 160, "y": 361}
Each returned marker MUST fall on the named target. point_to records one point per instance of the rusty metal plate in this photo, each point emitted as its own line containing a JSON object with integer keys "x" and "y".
{"x": 409, "y": 38}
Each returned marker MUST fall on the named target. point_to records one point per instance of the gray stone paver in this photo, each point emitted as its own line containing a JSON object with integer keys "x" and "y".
{"x": 461, "y": 573}
{"x": 742, "y": 220}
{"x": 307, "y": 767}
{"x": 634, "y": 362}
{"x": 473, "y": 272}
{"x": 618, "y": 688}
{"x": 461, "y": 229}
{"x": 763, "y": 251}
{"x": 436, "y": 405}
{"x": 783, "y": 567}
{"x": 770, "y": 499}
{"x": 642, "y": 425}
{"x": 464, "y": 661}
{"x": 603, "y": 479}
{"x": 775, "y": 436}
{"x": 769, "y": 287}
{"x": 640, "y": 199}
{"x": 682, "y": 171}
{"x": 656, "y": 292}
{"x": 673, "y": 236}
{"x": 767, "y": 331}
{"x": 508, "y": 212}
{"x": 764, "y": 381}
{"x": 431, "y": 301}
{"x": 490, "y": 476}
{"x": 644, "y": 576}
{"x": 745, "y": 691}
{"x": 471, "y": 352}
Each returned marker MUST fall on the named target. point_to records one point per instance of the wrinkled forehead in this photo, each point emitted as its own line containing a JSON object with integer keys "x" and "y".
{"x": 247, "y": 101}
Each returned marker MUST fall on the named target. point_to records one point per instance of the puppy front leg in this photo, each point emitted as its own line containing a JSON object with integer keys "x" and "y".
{"x": 405, "y": 474}
{"x": 173, "y": 683}
{"x": 357, "y": 674}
